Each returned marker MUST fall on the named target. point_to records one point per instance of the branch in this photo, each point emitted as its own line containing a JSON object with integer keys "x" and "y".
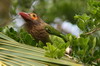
{"x": 91, "y": 32}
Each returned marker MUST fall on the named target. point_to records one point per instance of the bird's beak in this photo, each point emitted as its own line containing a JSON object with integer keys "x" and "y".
{"x": 25, "y": 16}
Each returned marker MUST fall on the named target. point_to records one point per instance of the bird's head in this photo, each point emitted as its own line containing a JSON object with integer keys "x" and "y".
{"x": 28, "y": 16}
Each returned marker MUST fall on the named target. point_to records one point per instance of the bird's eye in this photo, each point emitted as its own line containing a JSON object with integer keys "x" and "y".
{"x": 34, "y": 15}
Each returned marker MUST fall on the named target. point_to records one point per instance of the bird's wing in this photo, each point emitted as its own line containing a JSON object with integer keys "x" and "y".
{"x": 53, "y": 31}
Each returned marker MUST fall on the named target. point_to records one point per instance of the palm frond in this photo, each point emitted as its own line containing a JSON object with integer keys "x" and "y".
{"x": 14, "y": 53}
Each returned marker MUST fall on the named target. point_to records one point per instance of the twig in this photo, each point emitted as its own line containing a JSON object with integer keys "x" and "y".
{"x": 68, "y": 56}
{"x": 91, "y": 32}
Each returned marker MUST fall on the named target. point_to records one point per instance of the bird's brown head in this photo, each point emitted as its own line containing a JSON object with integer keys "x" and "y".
{"x": 28, "y": 16}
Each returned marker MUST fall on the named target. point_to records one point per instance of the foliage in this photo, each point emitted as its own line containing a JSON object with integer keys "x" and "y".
{"x": 21, "y": 36}
{"x": 65, "y": 9}
{"x": 90, "y": 21}
{"x": 88, "y": 45}
{"x": 85, "y": 49}
{"x": 17, "y": 54}
{"x": 57, "y": 49}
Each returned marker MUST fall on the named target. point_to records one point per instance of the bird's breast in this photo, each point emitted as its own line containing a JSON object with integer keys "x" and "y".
{"x": 39, "y": 33}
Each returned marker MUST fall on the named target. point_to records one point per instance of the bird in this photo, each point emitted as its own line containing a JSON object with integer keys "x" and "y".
{"x": 39, "y": 29}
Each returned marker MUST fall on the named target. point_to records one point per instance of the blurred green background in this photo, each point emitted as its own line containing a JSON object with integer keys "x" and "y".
{"x": 48, "y": 10}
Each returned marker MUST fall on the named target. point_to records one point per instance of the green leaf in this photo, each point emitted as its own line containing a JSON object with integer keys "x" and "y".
{"x": 56, "y": 38}
{"x": 40, "y": 44}
{"x": 85, "y": 17}
{"x": 57, "y": 50}
{"x": 81, "y": 24}
{"x": 76, "y": 16}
